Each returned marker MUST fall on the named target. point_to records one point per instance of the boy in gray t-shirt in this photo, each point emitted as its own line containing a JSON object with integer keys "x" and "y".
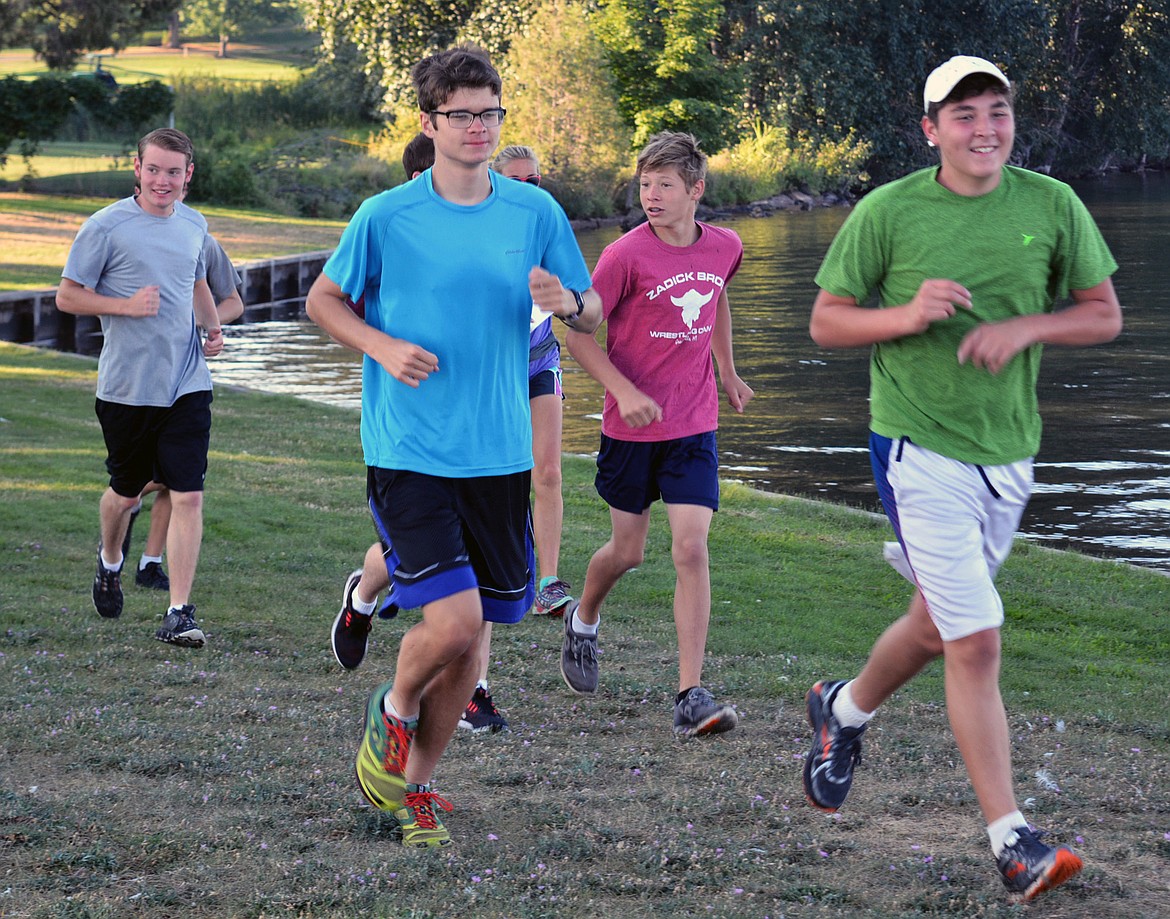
{"x": 139, "y": 265}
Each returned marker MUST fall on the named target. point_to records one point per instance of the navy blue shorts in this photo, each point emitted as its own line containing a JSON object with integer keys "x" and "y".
{"x": 164, "y": 444}
{"x": 445, "y": 536}
{"x": 632, "y": 475}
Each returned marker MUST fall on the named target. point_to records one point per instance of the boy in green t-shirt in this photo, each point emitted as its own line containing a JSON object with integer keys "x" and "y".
{"x": 968, "y": 259}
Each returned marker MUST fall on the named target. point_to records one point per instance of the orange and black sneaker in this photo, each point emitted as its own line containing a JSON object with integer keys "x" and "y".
{"x": 828, "y": 768}
{"x": 1028, "y": 867}
{"x": 381, "y": 759}
{"x": 421, "y": 826}
{"x": 350, "y": 634}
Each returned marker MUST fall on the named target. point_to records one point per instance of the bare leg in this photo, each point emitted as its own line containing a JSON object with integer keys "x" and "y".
{"x": 901, "y": 652}
{"x": 485, "y": 655}
{"x": 548, "y": 509}
{"x": 160, "y": 520}
{"x": 689, "y": 526}
{"x": 114, "y": 511}
{"x": 375, "y": 578}
{"x": 977, "y": 717}
{"x": 625, "y": 550}
{"x": 435, "y": 675}
{"x": 184, "y": 539}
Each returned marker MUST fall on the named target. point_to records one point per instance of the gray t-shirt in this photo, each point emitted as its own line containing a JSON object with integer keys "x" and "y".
{"x": 155, "y": 359}
{"x": 222, "y": 276}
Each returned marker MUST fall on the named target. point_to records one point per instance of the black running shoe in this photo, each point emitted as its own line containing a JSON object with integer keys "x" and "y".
{"x": 350, "y": 634}
{"x": 1029, "y": 867}
{"x": 179, "y": 628}
{"x": 481, "y": 715}
{"x": 153, "y": 577}
{"x": 107, "y": 590}
{"x": 828, "y": 770}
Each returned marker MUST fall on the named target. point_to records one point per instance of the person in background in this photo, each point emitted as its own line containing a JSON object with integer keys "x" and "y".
{"x": 969, "y": 259}
{"x": 140, "y": 265}
{"x": 664, "y": 290}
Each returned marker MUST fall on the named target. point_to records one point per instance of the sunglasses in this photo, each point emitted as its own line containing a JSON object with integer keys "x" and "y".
{"x": 533, "y": 179}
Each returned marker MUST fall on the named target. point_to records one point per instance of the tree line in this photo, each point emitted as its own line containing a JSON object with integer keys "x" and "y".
{"x": 820, "y": 90}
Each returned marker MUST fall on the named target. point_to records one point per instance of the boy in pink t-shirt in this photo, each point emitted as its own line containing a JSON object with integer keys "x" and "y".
{"x": 664, "y": 290}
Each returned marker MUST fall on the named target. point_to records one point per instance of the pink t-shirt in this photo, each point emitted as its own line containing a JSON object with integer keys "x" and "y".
{"x": 660, "y": 303}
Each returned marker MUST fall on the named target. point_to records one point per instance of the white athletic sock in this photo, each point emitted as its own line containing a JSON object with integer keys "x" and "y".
{"x": 147, "y": 559}
{"x": 482, "y": 684}
{"x": 999, "y": 831}
{"x": 116, "y": 566}
{"x": 848, "y": 715}
{"x": 584, "y": 628}
{"x": 366, "y": 608}
{"x": 390, "y": 710}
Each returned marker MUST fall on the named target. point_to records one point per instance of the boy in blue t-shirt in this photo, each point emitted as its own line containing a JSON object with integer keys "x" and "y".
{"x": 451, "y": 264}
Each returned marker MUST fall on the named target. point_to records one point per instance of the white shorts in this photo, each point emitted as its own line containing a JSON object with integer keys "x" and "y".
{"x": 955, "y": 522}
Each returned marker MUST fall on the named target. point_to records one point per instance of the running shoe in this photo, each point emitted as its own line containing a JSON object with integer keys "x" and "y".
{"x": 828, "y": 769}
{"x": 578, "y": 657}
{"x": 1029, "y": 867}
{"x": 381, "y": 758}
{"x": 179, "y": 628}
{"x": 153, "y": 577}
{"x": 481, "y": 715}
{"x": 697, "y": 713}
{"x": 107, "y": 590}
{"x": 422, "y": 828}
{"x": 552, "y": 597}
{"x": 350, "y": 635}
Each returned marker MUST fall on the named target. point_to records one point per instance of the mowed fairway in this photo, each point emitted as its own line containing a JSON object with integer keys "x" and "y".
{"x": 139, "y": 779}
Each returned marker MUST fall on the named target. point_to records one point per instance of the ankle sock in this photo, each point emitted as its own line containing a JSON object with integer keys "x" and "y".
{"x": 147, "y": 559}
{"x": 847, "y": 713}
{"x": 583, "y": 628}
{"x": 389, "y": 709}
{"x": 366, "y": 608}
{"x": 999, "y": 831}
{"x": 116, "y": 567}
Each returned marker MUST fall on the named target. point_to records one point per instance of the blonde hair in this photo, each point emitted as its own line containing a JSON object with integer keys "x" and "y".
{"x": 514, "y": 152}
{"x": 677, "y": 149}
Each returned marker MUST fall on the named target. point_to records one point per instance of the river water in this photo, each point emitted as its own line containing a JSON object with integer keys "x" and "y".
{"x": 1103, "y": 472}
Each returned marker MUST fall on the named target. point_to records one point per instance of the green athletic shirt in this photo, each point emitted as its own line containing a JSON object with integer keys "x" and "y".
{"x": 1018, "y": 249}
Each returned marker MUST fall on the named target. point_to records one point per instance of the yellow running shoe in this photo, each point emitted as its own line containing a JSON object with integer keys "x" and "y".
{"x": 421, "y": 826}
{"x": 381, "y": 759}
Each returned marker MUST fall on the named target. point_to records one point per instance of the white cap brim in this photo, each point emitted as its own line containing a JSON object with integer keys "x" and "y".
{"x": 946, "y": 77}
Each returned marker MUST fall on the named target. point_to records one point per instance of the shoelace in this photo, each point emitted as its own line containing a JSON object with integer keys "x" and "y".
{"x": 398, "y": 739}
{"x": 351, "y": 618}
{"x": 423, "y": 804}
{"x": 843, "y": 751}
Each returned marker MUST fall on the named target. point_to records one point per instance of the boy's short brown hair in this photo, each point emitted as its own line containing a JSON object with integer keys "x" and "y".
{"x": 168, "y": 139}
{"x": 675, "y": 149}
{"x": 436, "y": 77}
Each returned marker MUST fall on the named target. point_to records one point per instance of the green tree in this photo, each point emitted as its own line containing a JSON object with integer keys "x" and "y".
{"x": 231, "y": 19}
{"x": 61, "y": 31}
{"x": 562, "y": 102}
{"x": 390, "y": 36}
{"x": 666, "y": 61}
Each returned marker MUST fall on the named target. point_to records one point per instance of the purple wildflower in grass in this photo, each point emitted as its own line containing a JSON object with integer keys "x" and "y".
{"x": 492, "y": 836}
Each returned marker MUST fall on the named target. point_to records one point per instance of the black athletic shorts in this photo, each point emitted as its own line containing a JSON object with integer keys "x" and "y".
{"x": 146, "y": 443}
{"x": 450, "y": 535}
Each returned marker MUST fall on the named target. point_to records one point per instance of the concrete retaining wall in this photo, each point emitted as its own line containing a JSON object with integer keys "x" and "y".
{"x": 273, "y": 289}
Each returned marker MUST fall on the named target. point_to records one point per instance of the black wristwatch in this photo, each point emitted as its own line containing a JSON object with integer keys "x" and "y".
{"x": 569, "y": 320}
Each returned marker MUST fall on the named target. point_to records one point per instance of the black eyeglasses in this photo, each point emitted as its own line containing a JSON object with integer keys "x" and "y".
{"x": 533, "y": 179}
{"x": 489, "y": 118}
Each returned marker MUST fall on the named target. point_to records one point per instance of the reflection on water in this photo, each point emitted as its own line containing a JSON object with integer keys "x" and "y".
{"x": 1102, "y": 477}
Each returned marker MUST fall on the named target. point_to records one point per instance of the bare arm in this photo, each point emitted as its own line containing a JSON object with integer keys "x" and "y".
{"x": 636, "y": 408}
{"x": 406, "y": 362}
{"x": 84, "y": 301}
{"x": 739, "y": 394}
{"x": 551, "y": 296}
{"x": 1094, "y": 318}
{"x": 207, "y": 318}
{"x": 839, "y": 322}
{"x": 230, "y": 308}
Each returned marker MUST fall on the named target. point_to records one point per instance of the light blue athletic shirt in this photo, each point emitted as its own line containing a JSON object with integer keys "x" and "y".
{"x": 453, "y": 280}
{"x": 151, "y": 360}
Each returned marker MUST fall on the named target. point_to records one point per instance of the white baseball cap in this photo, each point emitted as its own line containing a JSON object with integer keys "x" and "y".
{"x": 946, "y": 77}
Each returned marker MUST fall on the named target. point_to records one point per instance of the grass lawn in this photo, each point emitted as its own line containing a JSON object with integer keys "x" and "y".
{"x": 36, "y": 232}
{"x": 142, "y": 779}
